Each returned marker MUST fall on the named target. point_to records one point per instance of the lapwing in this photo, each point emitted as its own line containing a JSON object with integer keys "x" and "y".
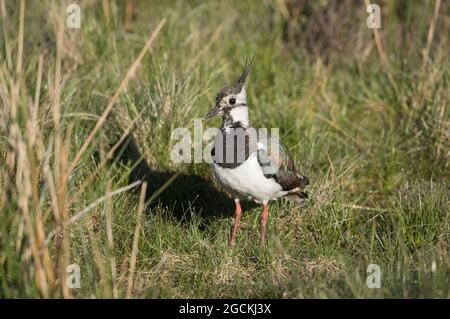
{"x": 249, "y": 162}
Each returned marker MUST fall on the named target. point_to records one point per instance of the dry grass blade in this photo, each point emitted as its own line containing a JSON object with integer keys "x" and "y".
{"x": 281, "y": 5}
{"x": 426, "y": 51}
{"x": 136, "y": 240}
{"x": 23, "y": 183}
{"x": 105, "y": 160}
{"x": 106, "y": 10}
{"x": 98, "y": 258}
{"x": 110, "y": 238}
{"x": 162, "y": 188}
{"x": 378, "y": 43}
{"x": 34, "y": 121}
{"x": 5, "y": 35}
{"x": 61, "y": 162}
{"x": 120, "y": 89}
{"x": 102, "y": 164}
{"x": 91, "y": 206}
{"x": 20, "y": 41}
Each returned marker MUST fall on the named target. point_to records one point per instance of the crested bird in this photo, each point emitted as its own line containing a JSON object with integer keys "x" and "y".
{"x": 249, "y": 162}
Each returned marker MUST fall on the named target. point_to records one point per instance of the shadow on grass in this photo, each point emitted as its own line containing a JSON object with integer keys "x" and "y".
{"x": 187, "y": 194}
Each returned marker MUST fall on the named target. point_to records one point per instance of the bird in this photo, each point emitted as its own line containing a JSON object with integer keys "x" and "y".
{"x": 249, "y": 162}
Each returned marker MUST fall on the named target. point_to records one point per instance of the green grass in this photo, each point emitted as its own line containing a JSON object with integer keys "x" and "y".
{"x": 373, "y": 140}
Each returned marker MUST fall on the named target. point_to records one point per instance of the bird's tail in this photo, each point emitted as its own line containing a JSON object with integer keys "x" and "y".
{"x": 300, "y": 195}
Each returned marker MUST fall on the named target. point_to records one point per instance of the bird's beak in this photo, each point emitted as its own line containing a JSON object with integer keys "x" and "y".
{"x": 213, "y": 112}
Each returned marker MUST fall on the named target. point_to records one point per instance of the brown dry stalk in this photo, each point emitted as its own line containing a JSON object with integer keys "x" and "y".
{"x": 33, "y": 135}
{"x": 61, "y": 176}
{"x": 34, "y": 121}
{"x": 22, "y": 167}
{"x": 378, "y": 43}
{"x": 99, "y": 167}
{"x": 13, "y": 128}
{"x": 129, "y": 9}
{"x": 106, "y": 10}
{"x": 123, "y": 85}
{"x": 98, "y": 258}
{"x": 74, "y": 218}
{"x": 105, "y": 160}
{"x": 5, "y": 35}
{"x": 23, "y": 183}
{"x": 432, "y": 27}
{"x": 65, "y": 149}
{"x": 136, "y": 240}
{"x": 282, "y": 7}
{"x": 370, "y": 209}
{"x": 20, "y": 40}
{"x": 46, "y": 259}
{"x": 110, "y": 238}
{"x": 39, "y": 223}
{"x": 50, "y": 182}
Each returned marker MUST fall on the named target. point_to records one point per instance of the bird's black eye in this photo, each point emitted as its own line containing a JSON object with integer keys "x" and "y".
{"x": 232, "y": 101}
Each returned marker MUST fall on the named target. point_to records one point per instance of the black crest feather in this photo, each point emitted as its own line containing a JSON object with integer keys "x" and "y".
{"x": 247, "y": 69}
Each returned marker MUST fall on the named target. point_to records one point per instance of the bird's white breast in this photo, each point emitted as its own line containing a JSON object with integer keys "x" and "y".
{"x": 248, "y": 180}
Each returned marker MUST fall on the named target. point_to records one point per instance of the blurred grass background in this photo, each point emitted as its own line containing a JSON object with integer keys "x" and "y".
{"x": 368, "y": 125}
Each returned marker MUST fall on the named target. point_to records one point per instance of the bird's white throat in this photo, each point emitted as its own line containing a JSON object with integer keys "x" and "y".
{"x": 240, "y": 114}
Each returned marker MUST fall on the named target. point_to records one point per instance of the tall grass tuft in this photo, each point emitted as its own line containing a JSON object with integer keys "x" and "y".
{"x": 37, "y": 194}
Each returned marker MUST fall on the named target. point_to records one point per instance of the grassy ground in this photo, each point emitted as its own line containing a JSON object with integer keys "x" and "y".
{"x": 367, "y": 123}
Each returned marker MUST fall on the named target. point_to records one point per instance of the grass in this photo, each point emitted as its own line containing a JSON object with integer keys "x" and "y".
{"x": 77, "y": 127}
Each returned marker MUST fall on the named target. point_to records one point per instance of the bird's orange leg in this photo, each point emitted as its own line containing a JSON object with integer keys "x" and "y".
{"x": 265, "y": 213}
{"x": 237, "y": 217}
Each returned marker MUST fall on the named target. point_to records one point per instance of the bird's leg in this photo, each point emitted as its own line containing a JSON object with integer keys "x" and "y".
{"x": 237, "y": 217}
{"x": 265, "y": 213}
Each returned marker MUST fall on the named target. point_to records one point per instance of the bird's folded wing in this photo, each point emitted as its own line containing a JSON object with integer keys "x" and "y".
{"x": 276, "y": 161}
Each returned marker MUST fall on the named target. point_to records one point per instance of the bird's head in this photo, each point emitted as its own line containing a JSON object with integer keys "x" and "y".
{"x": 232, "y": 99}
